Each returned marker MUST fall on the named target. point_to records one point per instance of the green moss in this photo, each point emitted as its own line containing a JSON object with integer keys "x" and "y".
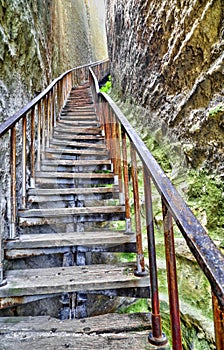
{"x": 141, "y": 305}
{"x": 206, "y": 195}
{"x": 107, "y": 86}
{"x": 216, "y": 110}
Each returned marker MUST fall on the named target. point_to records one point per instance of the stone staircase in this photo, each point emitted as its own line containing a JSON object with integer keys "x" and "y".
{"x": 70, "y": 215}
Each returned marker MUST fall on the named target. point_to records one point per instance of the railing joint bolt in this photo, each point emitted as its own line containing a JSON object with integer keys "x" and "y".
{"x": 139, "y": 272}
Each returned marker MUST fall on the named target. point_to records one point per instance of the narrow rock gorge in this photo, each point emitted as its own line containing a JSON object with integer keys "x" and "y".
{"x": 40, "y": 40}
{"x": 167, "y": 73}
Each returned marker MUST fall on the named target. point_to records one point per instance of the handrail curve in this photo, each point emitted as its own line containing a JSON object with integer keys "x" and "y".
{"x": 5, "y": 126}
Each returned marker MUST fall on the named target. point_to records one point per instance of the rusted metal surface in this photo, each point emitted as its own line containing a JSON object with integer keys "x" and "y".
{"x": 172, "y": 278}
{"x": 112, "y": 125}
{"x": 48, "y": 115}
{"x": 126, "y": 180}
{"x": 24, "y": 123}
{"x": 156, "y": 334}
{"x": 138, "y": 229}
{"x": 118, "y": 160}
{"x": 218, "y": 311}
{"x": 32, "y": 146}
{"x": 39, "y": 125}
{"x": 12, "y": 232}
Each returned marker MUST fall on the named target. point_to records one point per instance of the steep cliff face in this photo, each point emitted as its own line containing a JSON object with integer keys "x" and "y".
{"x": 38, "y": 41}
{"x": 167, "y": 56}
{"x": 41, "y": 39}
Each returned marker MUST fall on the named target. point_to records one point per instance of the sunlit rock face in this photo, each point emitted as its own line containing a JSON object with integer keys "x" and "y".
{"x": 167, "y": 56}
{"x": 41, "y": 39}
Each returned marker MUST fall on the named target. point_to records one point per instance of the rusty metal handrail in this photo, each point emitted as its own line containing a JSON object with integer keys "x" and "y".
{"x": 10, "y": 122}
{"x": 42, "y": 113}
{"x": 207, "y": 255}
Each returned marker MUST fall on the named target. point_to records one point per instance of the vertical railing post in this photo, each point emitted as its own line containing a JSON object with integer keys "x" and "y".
{"x": 24, "y": 124}
{"x": 106, "y": 112}
{"x": 172, "y": 278}
{"x": 126, "y": 180}
{"x": 156, "y": 337}
{"x": 43, "y": 137}
{"x": 218, "y": 314}
{"x": 113, "y": 146}
{"x": 32, "y": 146}
{"x": 48, "y": 101}
{"x": 3, "y": 281}
{"x": 12, "y": 233}
{"x": 140, "y": 256}
{"x": 51, "y": 113}
{"x": 39, "y": 120}
{"x": 118, "y": 161}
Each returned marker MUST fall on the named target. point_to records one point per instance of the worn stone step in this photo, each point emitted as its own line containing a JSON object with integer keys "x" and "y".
{"x": 33, "y": 217}
{"x": 44, "y": 213}
{"x": 60, "y": 182}
{"x": 89, "y": 151}
{"x": 67, "y": 219}
{"x": 41, "y": 244}
{"x": 53, "y": 195}
{"x": 76, "y": 137}
{"x": 86, "y": 165}
{"x": 78, "y": 130}
{"x": 79, "y": 109}
{"x": 70, "y": 279}
{"x": 79, "y": 162}
{"x": 76, "y": 144}
{"x": 80, "y": 123}
{"x": 78, "y": 116}
{"x": 73, "y": 175}
{"x": 108, "y": 331}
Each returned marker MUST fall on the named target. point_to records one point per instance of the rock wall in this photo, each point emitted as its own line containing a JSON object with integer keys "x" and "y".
{"x": 167, "y": 56}
{"x": 38, "y": 41}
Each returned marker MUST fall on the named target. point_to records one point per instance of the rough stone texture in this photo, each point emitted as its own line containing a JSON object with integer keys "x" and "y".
{"x": 167, "y": 56}
{"x": 38, "y": 41}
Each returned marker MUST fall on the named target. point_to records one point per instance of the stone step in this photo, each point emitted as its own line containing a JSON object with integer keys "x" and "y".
{"x": 77, "y": 137}
{"x": 70, "y": 279}
{"x": 86, "y": 165}
{"x": 78, "y": 116}
{"x": 73, "y": 175}
{"x": 63, "y": 194}
{"x": 89, "y": 151}
{"x": 76, "y": 144}
{"x": 33, "y": 217}
{"x": 89, "y": 123}
{"x": 78, "y": 130}
{"x": 28, "y": 245}
{"x": 44, "y": 213}
{"x": 108, "y": 331}
{"x": 80, "y": 162}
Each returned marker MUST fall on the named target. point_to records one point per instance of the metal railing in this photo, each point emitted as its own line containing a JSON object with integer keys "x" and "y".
{"x": 34, "y": 124}
{"x": 42, "y": 114}
{"x": 118, "y": 131}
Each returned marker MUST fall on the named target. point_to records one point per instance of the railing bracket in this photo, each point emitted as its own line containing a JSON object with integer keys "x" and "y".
{"x": 157, "y": 341}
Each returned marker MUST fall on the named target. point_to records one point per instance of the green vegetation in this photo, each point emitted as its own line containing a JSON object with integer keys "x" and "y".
{"x": 206, "y": 198}
{"x": 216, "y": 110}
{"x": 107, "y": 86}
{"x": 141, "y": 305}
